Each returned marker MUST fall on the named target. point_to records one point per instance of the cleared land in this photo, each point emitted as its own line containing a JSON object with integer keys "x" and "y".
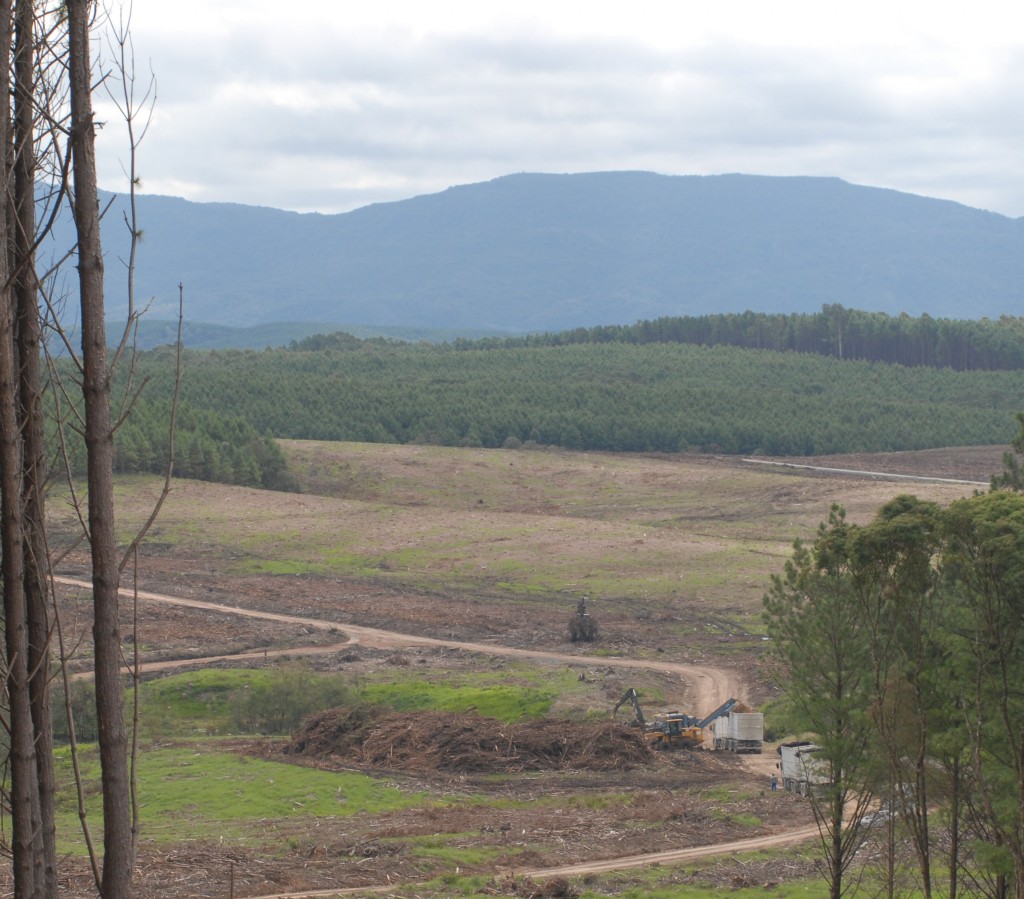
{"x": 492, "y": 547}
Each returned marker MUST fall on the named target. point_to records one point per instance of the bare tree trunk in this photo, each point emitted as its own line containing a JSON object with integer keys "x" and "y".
{"x": 117, "y": 834}
{"x": 24, "y": 793}
{"x": 28, "y": 857}
{"x": 37, "y": 572}
{"x": 954, "y": 828}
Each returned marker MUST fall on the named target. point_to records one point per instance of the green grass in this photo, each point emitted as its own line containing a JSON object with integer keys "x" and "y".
{"x": 273, "y": 566}
{"x": 198, "y": 792}
{"x": 703, "y": 878}
{"x": 197, "y": 702}
{"x": 438, "y": 848}
{"x": 616, "y": 526}
{"x": 725, "y": 794}
{"x": 201, "y": 702}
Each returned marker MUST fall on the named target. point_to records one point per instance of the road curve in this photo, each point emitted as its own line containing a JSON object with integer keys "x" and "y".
{"x": 710, "y": 686}
{"x": 669, "y": 856}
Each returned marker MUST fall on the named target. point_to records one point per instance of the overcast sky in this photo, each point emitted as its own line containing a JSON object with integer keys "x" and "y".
{"x": 326, "y": 105}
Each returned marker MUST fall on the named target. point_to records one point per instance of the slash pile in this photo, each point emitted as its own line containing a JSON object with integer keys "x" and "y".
{"x": 466, "y": 743}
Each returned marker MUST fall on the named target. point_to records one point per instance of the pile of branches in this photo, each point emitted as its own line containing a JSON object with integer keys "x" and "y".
{"x": 467, "y": 743}
{"x": 339, "y": 731}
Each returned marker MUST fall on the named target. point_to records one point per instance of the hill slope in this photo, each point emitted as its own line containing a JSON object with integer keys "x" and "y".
{"x": 534, "y": 252}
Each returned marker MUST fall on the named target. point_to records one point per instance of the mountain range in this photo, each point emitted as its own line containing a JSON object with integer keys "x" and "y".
{"x": 548, "y": 252}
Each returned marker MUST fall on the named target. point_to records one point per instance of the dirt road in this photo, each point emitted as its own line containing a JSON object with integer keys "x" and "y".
{"x": 797, "y": 835}
{"x": 707, "y": 687}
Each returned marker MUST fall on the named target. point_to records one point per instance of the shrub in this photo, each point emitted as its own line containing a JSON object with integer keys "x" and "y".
{"x": 280, "y": 703}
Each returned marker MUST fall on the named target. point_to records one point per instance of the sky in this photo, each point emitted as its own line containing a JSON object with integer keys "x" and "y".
{"x": 327, "y": 106}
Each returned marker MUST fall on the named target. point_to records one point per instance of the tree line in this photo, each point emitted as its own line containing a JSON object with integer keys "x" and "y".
{"x": 615, "y": 397}
{"x": 841, "y": 333}
{"x": 902, "y": 651}
{"x": 208, "y": 446}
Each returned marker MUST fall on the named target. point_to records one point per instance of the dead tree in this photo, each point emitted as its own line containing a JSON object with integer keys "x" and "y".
{"x": 582, "y": 626}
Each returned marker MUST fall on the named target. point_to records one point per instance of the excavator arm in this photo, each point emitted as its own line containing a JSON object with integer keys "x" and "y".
{"x": 631, "y": 696}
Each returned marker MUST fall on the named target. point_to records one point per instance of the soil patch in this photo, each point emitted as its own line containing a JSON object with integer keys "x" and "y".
{"x": 504, "y": 800}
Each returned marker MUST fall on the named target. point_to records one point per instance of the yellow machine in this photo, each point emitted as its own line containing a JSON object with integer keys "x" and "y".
{"x": 668, "y": 730}
{"x": 674, "y": 730}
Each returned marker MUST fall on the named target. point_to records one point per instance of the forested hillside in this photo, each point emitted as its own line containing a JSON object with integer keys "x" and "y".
{"x": 209, "y": 444}
{"x": 535, "y": 252}
{"x": 835, "y": 331}
{"x": 607, "y": 396}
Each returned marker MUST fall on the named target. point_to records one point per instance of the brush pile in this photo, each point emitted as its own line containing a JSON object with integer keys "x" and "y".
{"x": 459, "y": 742}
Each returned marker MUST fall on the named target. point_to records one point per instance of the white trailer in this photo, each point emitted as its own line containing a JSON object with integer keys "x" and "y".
{"x": 739, "y": 732}
{"x": 801, "y": 770}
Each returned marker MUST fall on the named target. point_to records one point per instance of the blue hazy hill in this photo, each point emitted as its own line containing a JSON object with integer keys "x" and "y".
{"x": 533, "y": 252}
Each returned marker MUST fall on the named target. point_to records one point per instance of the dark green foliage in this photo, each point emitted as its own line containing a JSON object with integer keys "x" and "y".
{"x": 821, "y": 637}
{"x": 645, "y": 388}
{"x": 964, "y": 345}
{"x": 83, "y": 710}
{"x": 277, "y": 704}
{"x": 209, "y": 446}
{"x": 613, "y": 396}
{"x": 903, "y": 648}
{"x": 1012, "y": 475}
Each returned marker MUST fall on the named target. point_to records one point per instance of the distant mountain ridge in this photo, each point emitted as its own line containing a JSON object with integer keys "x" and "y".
{"x": 536, "y": 252}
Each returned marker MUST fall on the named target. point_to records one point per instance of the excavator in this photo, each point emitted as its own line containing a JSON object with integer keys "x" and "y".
{"x": 667, "y": 730}
{"x": 632, "y": 697}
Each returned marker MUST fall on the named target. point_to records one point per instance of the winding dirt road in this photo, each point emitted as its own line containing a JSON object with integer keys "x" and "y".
{"x": 790, "y": 837}
{"x": 710, "y": 687}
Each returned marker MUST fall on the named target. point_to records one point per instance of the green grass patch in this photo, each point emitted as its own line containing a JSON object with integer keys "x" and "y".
{"x": 524, "y": 587}
{"x": 652, "y": 882}
{"x": 702, "y": 878}
{"x": 439, "y": 848}
{"x": 233, "y": 701}
{"x": 278, "y": 566}
{"x": 604, "y": 800}
{"x": 202, "y": 792}
{"x": 198, "y": 702}
{"x": 219, "y": 701}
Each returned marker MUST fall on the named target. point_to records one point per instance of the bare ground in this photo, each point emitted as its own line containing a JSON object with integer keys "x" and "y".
{"x": 673, "y": 801}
